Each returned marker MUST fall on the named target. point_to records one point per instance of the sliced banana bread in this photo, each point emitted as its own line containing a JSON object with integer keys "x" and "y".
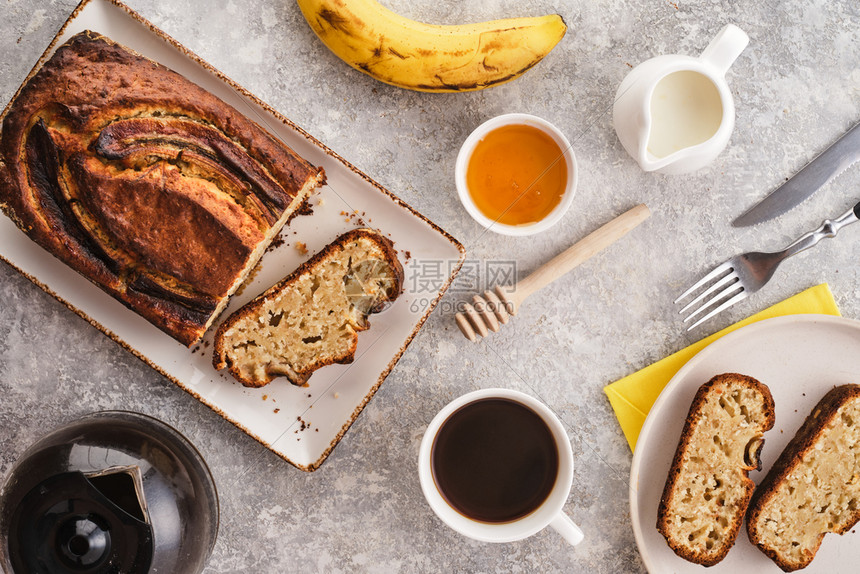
{"x": 311, "y": 318}
{"x": 708, "y": 487}
{"x": 814, "y": 486}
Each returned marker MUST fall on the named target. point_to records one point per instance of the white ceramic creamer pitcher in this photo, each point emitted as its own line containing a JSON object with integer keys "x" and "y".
{"x": 675, "y": 114}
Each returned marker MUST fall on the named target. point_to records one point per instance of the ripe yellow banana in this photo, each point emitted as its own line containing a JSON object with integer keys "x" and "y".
{"x": 427, "y": 57}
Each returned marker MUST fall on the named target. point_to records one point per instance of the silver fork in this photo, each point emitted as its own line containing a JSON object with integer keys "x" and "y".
{"x": 743, "y": 275}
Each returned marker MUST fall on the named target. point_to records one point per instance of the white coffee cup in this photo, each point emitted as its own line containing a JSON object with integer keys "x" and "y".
{"x": 549, "y": 513}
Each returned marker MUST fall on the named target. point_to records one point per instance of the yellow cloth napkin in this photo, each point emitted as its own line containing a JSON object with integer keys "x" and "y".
{"x": 633, "y": 396}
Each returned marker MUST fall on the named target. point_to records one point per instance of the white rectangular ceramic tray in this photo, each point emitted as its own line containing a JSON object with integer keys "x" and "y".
{"x": 300, "y": 424}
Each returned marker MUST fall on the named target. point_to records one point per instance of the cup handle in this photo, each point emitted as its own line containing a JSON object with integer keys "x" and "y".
{"x": 725, "y": 48}
{"x": 567, "y": 528}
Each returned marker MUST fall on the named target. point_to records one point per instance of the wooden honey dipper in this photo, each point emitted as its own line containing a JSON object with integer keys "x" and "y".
{"x": 496, "y": 307}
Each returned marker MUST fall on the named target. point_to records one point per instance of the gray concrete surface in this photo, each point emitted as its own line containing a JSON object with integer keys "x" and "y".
{"x": 796, "y": 88}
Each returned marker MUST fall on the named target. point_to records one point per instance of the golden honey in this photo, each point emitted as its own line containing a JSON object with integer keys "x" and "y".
{"x": 516, "y": 174}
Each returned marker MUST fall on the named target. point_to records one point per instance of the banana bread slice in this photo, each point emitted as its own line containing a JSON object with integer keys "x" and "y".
{"x": 311, "y": 318}
{"x": 814, "y": 486}
{"x": 708, "y": 487}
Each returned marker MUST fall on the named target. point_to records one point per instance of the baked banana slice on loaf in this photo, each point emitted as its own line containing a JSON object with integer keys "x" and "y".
{"x": 708, "y": 488}
{"x": 311, "y": 318}
{"x": 146, "y": 184}
{"x": 814, "y": 486}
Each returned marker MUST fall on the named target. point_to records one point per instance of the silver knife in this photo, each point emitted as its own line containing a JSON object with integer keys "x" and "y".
{"x": 833, "y": 161}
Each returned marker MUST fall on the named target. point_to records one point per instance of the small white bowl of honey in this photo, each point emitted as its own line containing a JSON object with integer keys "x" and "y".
{"x": 516, "y": 174}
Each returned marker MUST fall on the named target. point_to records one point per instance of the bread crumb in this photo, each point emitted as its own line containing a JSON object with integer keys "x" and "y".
{"x": 276, "y": 242}
{"x": 265, "y": 397}
{"x": 337, "y": 395}
{"x": 301, "y": 247}
{"x": 276, "y": 411}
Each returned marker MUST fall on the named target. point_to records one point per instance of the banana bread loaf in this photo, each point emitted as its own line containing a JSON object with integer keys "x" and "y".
{"x": 814, "y": 486}
{"x": 708, "y": 487}
{"x": 151, "y": 187}
{"x": 311, "y": 318}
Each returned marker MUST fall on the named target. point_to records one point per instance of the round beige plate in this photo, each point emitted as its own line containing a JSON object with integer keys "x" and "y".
{"x": 799, "y": 357}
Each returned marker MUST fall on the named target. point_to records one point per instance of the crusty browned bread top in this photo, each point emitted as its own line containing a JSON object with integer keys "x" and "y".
{"x": 825, "y": 415}
{"x": 147, "y": 184}
{"x": 708, "y": 487}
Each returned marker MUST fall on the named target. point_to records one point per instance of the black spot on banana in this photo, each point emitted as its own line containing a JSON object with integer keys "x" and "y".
{"x": 427, "y": 57}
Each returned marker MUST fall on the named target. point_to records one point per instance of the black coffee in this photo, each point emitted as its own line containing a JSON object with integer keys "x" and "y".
{"x": 494, "y": 460}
